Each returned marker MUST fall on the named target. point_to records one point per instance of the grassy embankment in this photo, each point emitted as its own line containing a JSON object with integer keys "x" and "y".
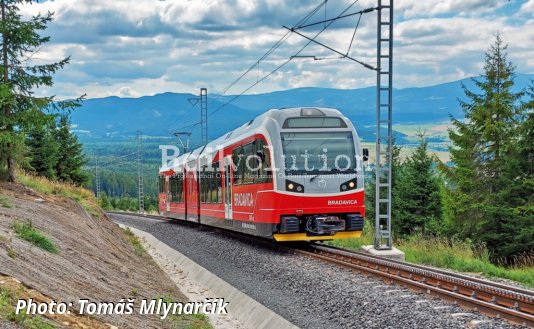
{"x": 458, "y": 256}
{"x": 83, "y": 196}
{"x": 88, "y": 201}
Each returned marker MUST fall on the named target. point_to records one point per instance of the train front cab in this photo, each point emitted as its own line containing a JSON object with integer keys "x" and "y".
{"x": 319, "y": 192}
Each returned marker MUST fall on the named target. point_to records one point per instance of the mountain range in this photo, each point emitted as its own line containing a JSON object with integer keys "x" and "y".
{"x": 166, "y": 113}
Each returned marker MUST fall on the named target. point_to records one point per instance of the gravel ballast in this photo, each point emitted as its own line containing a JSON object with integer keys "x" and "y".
{"x": 307, "y": 292}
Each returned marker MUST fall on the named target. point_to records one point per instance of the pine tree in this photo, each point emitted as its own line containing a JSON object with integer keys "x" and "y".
{"x": 417, "y": 196}
{"x": 70, "y": 162}
{"x": 20, "y": 41}
{"x": 43, "y": 149}
{"x": 484, "y": 157}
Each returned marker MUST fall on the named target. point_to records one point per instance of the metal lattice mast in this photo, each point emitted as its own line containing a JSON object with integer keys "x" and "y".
{"x": 97, "y": 179}
{"x": 140, "y": 173}
{"x": 204, "y": 114}
{"x": 384, "y": 129}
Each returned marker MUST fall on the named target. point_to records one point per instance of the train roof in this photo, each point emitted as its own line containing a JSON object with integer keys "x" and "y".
{"x": 207, "y": 152}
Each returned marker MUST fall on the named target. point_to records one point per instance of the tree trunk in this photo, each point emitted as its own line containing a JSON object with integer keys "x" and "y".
{"x": 7, "y": 110}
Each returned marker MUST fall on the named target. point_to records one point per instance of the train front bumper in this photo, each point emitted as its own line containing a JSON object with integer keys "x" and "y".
{"x": 278, "y": 237}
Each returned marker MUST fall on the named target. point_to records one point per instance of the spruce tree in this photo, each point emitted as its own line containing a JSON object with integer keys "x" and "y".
{"x": 43, "y": 149}
{"x": 70, "y": 162}
{"x": 20, "y": 40}
{"x": 417, "y": 196}
{"x": 523, "y": 242}
{"x": 480, "y": 205}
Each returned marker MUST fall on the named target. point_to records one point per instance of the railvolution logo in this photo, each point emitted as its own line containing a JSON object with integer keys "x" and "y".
{"x": 306, "y": 162}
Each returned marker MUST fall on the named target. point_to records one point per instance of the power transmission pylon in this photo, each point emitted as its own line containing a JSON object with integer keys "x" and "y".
{"x": 140, "y": 173}
{"x": 97, "y": 179}
{"x": 203, "y": 98}
{"x": 204, "y": 115}
{"x": 384, "y": 139}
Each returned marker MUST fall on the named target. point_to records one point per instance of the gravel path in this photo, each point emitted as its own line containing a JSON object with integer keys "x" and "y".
{"x": 307, "y": 292}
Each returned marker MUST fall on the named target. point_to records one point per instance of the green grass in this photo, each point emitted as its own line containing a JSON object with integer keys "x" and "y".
{"x": 367, "y": 238}
{"x": 185, "y": 321}
{"x": 457, "y": 256}
{"x": 139, "y": 250}
{"x": 27, "y": 232}
{"x": 5, "y": 202}
{"x": 79, "y": 194}
{"x": 7, "y": 311}
{"x": 463, "y": 257}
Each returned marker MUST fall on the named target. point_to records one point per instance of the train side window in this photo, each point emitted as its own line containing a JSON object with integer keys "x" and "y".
{"x": 213, "y": 183}
{"x": 177, "y": 188}
{"x": 237, "y": 160}
{"x": 247, "y": 163}
{"x": 216, "y": 183}
{"x": 206, "y": 185}
{"x": 173, "y": 188}
{"x": 218, "y": 179}
{"x": 180, "y": 187}
{"x": 265, "y": 172}
{"x": 211, "y": 194}
{"x": 161, "y": 184}
{"x": 203, "y": 185}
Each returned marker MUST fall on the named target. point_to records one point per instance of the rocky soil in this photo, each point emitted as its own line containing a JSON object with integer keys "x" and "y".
{"x": 95, "y": 259}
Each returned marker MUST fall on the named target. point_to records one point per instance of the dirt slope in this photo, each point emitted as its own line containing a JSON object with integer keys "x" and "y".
{"x": 95, "y": 261}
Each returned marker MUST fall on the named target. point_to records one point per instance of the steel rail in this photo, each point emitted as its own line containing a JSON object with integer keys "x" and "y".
{"x": 434, "y": 269}
{"x": 493, "y": 299}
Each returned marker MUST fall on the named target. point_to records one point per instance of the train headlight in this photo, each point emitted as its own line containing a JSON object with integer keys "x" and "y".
{"x": 294, "y": 187}
{"x": 348, "y": 185}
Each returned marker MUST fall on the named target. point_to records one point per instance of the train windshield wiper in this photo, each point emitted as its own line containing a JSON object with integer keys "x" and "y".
{"x": 314, "y": 177}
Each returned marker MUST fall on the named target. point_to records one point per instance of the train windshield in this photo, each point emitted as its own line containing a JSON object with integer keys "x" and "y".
{"x": 313, "y": 152}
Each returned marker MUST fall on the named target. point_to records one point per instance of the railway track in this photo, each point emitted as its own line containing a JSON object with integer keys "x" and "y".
{"x": 491, "y": 298}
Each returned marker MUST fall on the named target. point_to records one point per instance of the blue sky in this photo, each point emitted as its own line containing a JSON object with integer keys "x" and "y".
{"x": 135, "y": 48}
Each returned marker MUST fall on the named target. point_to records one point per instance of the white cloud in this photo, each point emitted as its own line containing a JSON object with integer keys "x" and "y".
{"x": 417, "y": 8}
{"x": 125, "y": 92}
{"x": 527, "y": 7}
{"x": 135, "y": 48}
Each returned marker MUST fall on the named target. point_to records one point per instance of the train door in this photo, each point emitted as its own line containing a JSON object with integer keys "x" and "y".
{"x": 192, "y": 195}
{"x": 228, "y": 188}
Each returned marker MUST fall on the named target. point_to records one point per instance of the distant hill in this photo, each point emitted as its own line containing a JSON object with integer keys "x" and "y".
{"x": 162, "y": 114}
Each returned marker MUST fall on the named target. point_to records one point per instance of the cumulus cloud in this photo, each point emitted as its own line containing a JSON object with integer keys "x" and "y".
{"x": 527, "y": 7}
{"x": 134, "y": 48}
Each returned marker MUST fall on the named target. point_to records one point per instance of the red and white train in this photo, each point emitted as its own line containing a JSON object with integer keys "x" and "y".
{"x": 292, "y": 174}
